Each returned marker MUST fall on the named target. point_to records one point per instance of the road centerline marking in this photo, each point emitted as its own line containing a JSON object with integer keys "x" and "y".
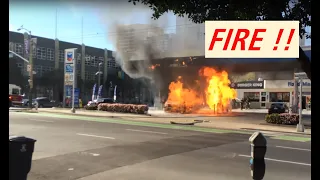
{"x": 153, "y": 132}
{"x": 91, "y": 135}
{"x": 39, "y": 120}
{"x": 293, "y": 148}
{"x": 278, "y": 160}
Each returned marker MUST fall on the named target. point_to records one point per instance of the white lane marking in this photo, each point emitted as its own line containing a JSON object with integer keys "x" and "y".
{"x": 154, "y": 132}
{"x": 278, "y": 160}
{"x": 39, "y": 120}
{"x": 293, "y": 148}
{"x": 91, "y": 135}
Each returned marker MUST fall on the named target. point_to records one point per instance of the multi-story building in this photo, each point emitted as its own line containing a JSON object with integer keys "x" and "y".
{"x": 132, "y": 40}
{"x": 48, "y": 57}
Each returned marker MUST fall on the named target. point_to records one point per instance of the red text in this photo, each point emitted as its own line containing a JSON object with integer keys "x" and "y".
{"x": 240, "y": 37}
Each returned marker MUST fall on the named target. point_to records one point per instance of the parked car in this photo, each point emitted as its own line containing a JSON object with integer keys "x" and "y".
{"x": 100, "y": 100}
{"x": 43, "y": 102}
{"x": 25, "y": 102}
{"x": 278, "y": 108}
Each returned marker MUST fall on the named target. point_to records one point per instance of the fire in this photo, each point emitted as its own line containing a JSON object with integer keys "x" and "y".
{"x": 152, "y": 67}
{"x": 216, "y": 95}
{"x": 218, "y": 92}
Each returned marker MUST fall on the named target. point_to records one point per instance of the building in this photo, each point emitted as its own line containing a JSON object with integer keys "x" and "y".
{"x": 133, "y": 39}
{"x": 263, "y": 93}
{"x": 48, "y": 57}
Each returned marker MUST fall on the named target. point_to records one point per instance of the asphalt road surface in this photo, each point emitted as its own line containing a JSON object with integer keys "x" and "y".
{"x": 68, "y": 149}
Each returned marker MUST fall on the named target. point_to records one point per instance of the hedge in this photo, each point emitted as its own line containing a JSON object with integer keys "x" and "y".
{"x": 123, "y": 108}
{"x": 91, "y": 107}
{"x": 181, "y": 108}
{"x": 284, "y": 118}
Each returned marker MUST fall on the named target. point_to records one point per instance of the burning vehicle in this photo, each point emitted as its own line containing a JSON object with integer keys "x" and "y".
{"x": 216, "y": 94}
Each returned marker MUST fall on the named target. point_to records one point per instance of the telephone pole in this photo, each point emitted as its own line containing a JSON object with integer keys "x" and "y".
{"x": 32, "y": 42}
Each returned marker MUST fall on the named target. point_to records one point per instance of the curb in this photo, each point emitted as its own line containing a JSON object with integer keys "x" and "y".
{"x": 297, "y": 133}
{"x": 307, "y": 126}
{"x": 194, "y": 124}
{"x": 27, "y": 111}
{"x": 75, "y": 114}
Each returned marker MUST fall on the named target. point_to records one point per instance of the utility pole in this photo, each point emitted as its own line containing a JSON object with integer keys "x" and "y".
{"x": 30, "y": 71}
{"x": 32, "y": 42}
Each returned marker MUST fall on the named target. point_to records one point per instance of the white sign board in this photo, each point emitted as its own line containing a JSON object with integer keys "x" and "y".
{"x": 69, "y": 72}
{"x": 70, "y": 55}
{"x": 28, "y": 68}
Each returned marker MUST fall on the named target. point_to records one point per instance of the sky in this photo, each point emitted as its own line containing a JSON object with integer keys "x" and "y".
{"x": 88, "y": 22}
{"x": 70, "y": 20}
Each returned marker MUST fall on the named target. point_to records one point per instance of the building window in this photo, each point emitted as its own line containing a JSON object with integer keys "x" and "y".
{"x": 78, "y": 58}
{"x": 279, "y": 96}
{"x": 61, "y": 55}
{"x": 252, "y": 96}
{"x": 19, "y": 65}
{"x": 90, "y": 76}
{"x": 18, "y": 49}
{"x": 50, "y": 54}
{"x": 38, "y": 70}
{"x": 101, "y": 60}
{"x": 87, "y": 60}
{"x": 41, "y": 53}
{"x": 111, "y": 63}
{"x": 94, "y": 61}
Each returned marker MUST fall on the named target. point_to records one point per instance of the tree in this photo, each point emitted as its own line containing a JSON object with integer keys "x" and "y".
{"x": 201, "y": 10}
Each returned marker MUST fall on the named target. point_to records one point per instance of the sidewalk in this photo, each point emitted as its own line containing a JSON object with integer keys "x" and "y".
{"x": 304, "y": 112}
{"x": 219, "y": 122}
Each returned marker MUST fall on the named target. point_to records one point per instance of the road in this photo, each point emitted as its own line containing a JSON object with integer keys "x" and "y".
{"x": 68, "y": 149}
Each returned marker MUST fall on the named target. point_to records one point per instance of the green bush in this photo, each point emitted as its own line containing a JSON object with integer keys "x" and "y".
{"x": 123, "y": 108}
{"x": 284, "y": 118}
{"x": 92, "y": 107}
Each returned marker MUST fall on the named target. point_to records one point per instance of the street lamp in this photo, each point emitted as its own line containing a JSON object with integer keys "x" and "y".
{"x": 30, "y": 66}
{"x": 99, "y": 73}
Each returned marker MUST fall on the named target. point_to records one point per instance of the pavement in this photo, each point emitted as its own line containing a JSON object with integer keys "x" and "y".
{"x": 92, "y": 148}
{"x": 238, "y": 120}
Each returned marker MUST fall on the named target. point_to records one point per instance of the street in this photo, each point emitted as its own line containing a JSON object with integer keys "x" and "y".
{"x": 90, "y": 150}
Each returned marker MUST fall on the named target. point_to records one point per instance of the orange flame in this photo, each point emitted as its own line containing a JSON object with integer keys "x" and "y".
{"x": 217, "y": 92}
{"x": 152, "y": 67}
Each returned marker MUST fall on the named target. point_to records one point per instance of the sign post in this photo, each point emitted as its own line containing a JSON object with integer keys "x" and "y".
{"x": 70, "y": 77}
{"x": 300, "y": 77}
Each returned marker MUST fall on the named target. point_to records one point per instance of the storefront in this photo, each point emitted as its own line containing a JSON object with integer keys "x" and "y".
{"x": 262, "y": 93}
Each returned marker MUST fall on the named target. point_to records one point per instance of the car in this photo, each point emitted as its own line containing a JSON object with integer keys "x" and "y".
{"x": 25, "y": 102}
{"x": 43, "y": 102}
{"x": 100, "y": 100}
{"x": 278, "y": 108}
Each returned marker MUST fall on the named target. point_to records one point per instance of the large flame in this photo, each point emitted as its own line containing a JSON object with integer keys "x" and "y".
{"x": 217, "y": 94}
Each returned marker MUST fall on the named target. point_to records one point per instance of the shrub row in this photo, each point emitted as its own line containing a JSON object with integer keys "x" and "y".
{"x": 123, "y": 108}
{"x": 177, "y": 109}
{"x": 284, "y": 118}
{"x": 92, "y": 107}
